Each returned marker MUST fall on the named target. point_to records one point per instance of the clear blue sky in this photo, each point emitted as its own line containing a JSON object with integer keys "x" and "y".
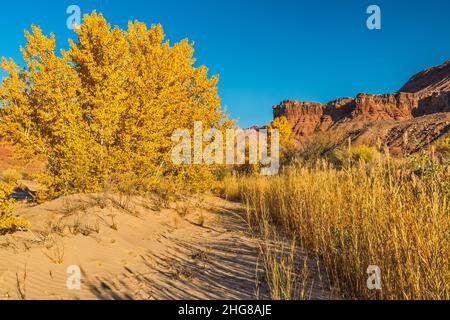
{"x": 267, "y": 51}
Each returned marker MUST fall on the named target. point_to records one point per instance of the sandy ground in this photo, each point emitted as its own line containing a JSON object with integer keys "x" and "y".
{"x": 129, "y": 248}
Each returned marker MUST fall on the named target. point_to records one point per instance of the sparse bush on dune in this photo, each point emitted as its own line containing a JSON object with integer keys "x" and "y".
{"x": 9, "y": 222}
{"x": 393, "y": 214}
{"x": 107, "y": 106}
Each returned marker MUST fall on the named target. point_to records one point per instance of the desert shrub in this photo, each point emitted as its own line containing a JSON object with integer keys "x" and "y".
{"x": 107, "y": 106}
{"x": 425, "y": 165}
{"x": 318, "y": 146}
{"x": 430, "y": 168}
{"x": 10, "y": 175}
{"x": 443, "y": 149}
{"x": 9, "y": 222}
{"x": 355, "y": 154}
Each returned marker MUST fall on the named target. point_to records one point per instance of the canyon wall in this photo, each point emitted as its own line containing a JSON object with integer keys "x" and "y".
{"x": 423, "y": 103}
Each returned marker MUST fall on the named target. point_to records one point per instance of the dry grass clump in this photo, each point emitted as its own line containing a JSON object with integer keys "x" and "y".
{"x": 285, "y": 266}
{"x": 393, "y": 214}
{"x": 354, "y": 154}
{"x": 55, "y": 250}
{"x": 21, "y": 284}
{"x": 10, "y": 175}
{"x": 286, "y": 278}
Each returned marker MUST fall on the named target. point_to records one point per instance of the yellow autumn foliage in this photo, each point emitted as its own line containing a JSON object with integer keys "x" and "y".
{"x": 103, "y": 111}
{"x": 284, "y": 130}
{"x": 9, "y": 222}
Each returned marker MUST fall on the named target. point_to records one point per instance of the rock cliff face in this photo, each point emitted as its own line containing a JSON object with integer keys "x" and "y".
{"x": 371, "y": 107}
{"x": 423, "y": 103}
{"x": 435, "y": 79}
{"x": 303, "y": 117}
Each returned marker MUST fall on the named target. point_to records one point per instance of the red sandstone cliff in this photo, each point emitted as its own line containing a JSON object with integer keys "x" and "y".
{"x": 435, "y": 79}
{"x": 423, "y": 103}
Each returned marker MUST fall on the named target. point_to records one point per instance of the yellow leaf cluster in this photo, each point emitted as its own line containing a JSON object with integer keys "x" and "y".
{"x": 9, "y": 222}
{"x": 284, "y": 130}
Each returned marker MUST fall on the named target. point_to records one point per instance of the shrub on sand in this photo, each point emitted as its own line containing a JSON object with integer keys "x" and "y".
{"x": 9, "y": 222}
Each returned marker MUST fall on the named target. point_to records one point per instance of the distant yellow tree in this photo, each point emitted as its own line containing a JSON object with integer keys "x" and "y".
{"x": 104, "y": 110}
{"x": 285, "y": 131}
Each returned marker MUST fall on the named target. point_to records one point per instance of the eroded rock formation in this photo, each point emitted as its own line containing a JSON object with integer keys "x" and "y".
{"x": 420, "y": 109}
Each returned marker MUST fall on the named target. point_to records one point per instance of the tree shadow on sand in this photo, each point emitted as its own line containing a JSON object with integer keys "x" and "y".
{"x": 214, "y": 263}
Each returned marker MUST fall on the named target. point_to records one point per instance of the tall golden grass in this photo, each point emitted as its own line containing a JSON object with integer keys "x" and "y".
{"x": 393, "y": 214}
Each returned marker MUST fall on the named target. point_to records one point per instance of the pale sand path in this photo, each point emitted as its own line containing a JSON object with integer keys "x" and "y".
{"x": 197, "y": 249}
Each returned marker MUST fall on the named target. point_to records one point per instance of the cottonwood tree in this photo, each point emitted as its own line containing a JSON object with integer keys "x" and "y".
{"x": 285, "y": 131}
